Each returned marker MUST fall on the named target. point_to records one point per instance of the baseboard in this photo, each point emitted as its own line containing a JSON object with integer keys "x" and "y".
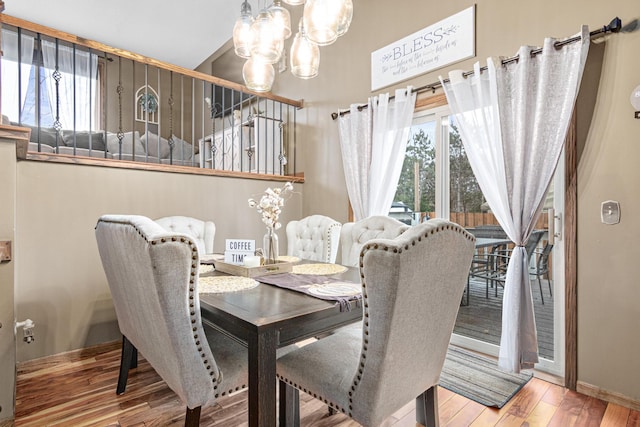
{"x": 606, "y": 395}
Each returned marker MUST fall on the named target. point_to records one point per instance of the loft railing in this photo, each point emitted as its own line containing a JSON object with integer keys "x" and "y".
{"x": 83, "y": 98}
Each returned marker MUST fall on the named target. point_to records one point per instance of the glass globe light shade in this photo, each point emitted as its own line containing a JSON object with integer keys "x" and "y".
{"x": 258, "y": 75}
{"x": 242, "y": 36}
{"x": 305, "y": 56}
{"x": 344, "y": 19}
{"x": 267, "y": 43}
{"x": 321, "y": 18}
{"x": 281, "y": 18}
{"x": 294, "y": 2}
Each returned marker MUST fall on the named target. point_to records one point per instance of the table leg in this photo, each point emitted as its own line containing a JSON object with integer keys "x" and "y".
{"x": 262, "y": 378}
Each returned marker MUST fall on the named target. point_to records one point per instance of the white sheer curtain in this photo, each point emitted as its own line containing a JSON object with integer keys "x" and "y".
{"x": 391, "y": 124}
{"x": 373, "y": 142}
{"x": 513, "y": 121}
{"x": 355, "y": 143}
{"x": 78, "y": 81}
{"x": 16, "y": 69}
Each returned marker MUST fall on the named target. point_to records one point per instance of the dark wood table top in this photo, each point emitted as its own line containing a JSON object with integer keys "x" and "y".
{"x": 267, "y": 317}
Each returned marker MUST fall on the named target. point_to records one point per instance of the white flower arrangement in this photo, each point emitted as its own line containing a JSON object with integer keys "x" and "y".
{"x": 270, "y": 205}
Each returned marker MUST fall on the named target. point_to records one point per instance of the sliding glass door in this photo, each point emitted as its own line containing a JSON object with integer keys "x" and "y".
{"x": 437, "y": 181}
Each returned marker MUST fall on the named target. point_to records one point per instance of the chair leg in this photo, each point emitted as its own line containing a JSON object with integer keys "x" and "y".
{"x": 540, "y": 286}
{"x": 134, "y": 358}
{"x": 192, "y": 418}
{"x": 128, "y": 360}
{"x": 550, "y": 287}
{"x": 427, "y": 408}
{"x": 289, "y": 406}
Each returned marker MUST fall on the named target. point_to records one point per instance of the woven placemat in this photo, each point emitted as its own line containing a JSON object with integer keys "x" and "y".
{"x": 320, "y": 269}
{"x": 206, "y": 268}
{"x": 220, "y": 284}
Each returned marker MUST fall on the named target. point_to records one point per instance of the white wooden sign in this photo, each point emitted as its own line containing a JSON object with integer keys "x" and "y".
{"x": 236, "y": 249}
{"x": 443, "y": 43}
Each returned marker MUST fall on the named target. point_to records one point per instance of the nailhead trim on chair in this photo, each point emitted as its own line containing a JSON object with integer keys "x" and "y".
{"x": 315, "y": 395}
{"x": 328, "y": 237}
{"x": 365, "y": 329}
{"x": 194, "y": 318}
{"x": 192, "y": 294}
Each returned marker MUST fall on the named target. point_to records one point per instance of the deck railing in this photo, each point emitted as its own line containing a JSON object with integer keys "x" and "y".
{"x": 83, "y": 98}
{"x": 474, "y": 219}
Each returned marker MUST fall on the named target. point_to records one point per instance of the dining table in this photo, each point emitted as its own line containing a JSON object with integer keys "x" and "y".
{"x": 266, "y": 318}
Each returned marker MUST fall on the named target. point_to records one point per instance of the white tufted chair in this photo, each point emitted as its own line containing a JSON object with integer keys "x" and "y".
{"x": 153, "y": 277}
{"x": 314, "y": 238}
{"x": 203, "y": 232}
{"x": 411, "y": 290}
{"x": 355, "y": 234}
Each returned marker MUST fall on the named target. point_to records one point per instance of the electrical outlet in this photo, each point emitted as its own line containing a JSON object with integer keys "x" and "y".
{"x": 5, "y": 250}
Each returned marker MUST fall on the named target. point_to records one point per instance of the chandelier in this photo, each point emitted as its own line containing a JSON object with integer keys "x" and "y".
{"x": 261, "y": 39}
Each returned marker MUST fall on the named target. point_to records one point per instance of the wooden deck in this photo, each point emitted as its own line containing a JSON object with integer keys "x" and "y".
{"x": 482, "y": 318}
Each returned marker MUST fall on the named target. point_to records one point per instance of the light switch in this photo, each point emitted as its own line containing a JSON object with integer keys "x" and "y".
{"x": 610, "y": 212}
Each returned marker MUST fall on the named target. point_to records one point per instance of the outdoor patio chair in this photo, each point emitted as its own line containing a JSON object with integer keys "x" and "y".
{"x": 411, "y": 290}
{"x": 541, "y": 268}
{"x": 203, "y": 232}
{"x": 354, "y": 235}
{"x": 315, "y": 238}
{"x": 498, "y": 260}
{"x": 153, "y": 277}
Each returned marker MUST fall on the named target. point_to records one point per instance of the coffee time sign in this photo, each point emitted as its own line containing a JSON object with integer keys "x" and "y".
{"x": 443, "y": 43}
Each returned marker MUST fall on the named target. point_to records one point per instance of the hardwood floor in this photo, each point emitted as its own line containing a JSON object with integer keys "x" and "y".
{"x": 78, "y": 389}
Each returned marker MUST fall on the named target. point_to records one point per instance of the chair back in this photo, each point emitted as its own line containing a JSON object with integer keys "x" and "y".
{"x": 202, "y": 232}
{"x": 533, "y": 241}
{"x": 152, "y": 274}
{"x": 315, "y": 238}
{"x": 542, "y": 265}
{"x": 412, "y": 287}
{"x": 355, "y": 234}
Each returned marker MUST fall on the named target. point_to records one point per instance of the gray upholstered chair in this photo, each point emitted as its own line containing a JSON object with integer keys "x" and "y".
{"x": 153, "y": 277}
{"x": 411, "y": 288}
{"x": 315, "y": 238}
{"x": 203, "y": 232}
{"x": 355, "y": 234}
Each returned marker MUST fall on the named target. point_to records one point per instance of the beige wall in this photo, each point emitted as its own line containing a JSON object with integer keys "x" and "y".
{"x": 60, "y": 283}
{"x": 608, "y": 284}
{"x": 7, "y": 276}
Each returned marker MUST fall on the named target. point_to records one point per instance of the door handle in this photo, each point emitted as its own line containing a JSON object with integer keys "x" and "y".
{"x": 555, "y": 229}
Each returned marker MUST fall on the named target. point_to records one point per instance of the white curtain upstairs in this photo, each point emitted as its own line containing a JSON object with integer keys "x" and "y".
{"x": 78, "y": 82}
{"x": 373, "y": 142}
{"x": 513, "y": 120}
{"x": 16, "y": 68}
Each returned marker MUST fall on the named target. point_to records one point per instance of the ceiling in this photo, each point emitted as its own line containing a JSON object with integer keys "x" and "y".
{"x": 184, "y": 32}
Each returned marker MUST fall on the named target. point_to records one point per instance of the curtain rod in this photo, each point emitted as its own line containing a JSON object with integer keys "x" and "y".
{"x": 614, "y": 27}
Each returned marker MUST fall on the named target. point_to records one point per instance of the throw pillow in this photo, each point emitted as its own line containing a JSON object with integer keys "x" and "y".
{"x": 84, "y": 139}
{"x": 181, "y": 149}
{"x": 130, "y": 140}
{"x": 150, "y": 140}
